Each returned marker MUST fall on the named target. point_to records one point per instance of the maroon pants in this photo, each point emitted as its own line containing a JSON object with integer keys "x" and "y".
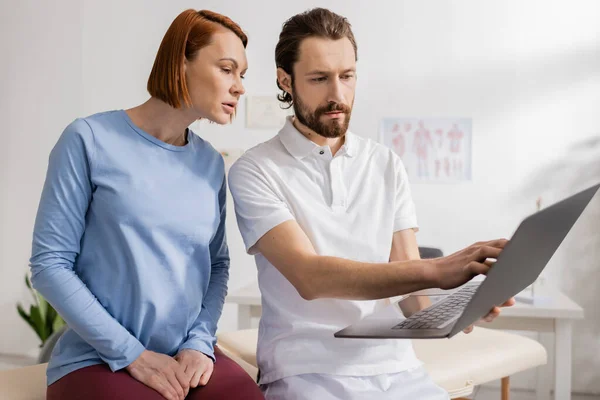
{"x": 228, "y": 382}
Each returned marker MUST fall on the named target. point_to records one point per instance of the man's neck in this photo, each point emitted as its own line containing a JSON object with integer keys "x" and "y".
{"x": 334, "y": 143}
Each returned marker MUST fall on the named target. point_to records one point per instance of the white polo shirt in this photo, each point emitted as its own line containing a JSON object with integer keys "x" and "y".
{"x": 349, "y": 206}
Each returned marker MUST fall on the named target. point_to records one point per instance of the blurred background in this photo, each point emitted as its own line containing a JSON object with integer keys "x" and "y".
{"x": 527, "y": 74}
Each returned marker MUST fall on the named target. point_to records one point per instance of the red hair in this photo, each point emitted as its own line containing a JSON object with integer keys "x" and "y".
{"x": 188, "y": 33}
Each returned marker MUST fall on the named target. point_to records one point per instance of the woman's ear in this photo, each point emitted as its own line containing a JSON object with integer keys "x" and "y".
{"x": 285, "y": 80}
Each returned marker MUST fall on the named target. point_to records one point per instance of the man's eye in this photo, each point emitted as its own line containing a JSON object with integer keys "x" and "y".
{"x": 321, "y": 79}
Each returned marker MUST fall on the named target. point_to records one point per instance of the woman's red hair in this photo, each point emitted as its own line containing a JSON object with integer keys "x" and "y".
{"x": 188, "y": 33}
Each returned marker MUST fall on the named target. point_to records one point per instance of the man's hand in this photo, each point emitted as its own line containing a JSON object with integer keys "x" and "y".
{"x": 493, "y": 314}
{"x": 460, "y": 267}
{"x": 456, "y": 269}
{"x": 197, "y": 366}
{"x": 161, "y": 373}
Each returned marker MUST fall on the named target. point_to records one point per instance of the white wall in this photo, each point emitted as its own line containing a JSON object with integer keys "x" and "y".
{"x": 40, "y": 93}
{"x": 528, "y": 73}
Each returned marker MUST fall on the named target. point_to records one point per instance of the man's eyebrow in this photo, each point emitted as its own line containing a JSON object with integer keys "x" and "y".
{"x": 319, "y": 72}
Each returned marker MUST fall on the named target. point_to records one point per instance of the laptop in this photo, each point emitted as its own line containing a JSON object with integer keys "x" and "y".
{"x": 531, "y": 247}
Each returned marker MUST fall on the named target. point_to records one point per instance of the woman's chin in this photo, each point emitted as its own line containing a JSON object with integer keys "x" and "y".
{"x": 223, "y": 118}
{"x": 219, "y": 119}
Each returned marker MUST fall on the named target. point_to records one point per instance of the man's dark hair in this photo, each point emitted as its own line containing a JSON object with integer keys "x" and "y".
{"x": 318, "y": 22}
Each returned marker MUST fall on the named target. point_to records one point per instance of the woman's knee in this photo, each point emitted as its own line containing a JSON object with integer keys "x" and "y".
{"x": 98, "y": 382}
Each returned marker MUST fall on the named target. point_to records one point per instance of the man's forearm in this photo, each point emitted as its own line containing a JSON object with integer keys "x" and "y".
{"x": 332, "y": 277}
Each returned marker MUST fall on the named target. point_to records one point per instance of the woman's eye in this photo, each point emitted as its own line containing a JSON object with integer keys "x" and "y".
{"x": 226, "y": 70}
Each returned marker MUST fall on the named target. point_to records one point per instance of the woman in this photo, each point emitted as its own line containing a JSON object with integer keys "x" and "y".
{"x": 129, "y": 242}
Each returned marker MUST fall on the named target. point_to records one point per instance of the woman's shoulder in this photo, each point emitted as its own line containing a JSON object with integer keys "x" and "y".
{"x": 204, "y": 146}
{"x": 104, "y": 119}
{"x": 88, "y": 126}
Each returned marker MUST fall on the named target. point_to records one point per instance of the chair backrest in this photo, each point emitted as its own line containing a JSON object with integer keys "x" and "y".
{"x": 430, "y": 252}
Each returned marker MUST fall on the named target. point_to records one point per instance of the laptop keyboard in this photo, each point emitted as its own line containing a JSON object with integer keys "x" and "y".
{"x": 442, "y": 313}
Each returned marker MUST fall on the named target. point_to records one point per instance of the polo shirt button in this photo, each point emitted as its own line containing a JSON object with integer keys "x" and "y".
{"x": 322, "y": 152}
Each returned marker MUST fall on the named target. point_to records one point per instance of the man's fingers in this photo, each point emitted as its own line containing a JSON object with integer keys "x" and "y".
{"x": 485, "y": 252}
{"x": 498, "y": 243}
{"x": 477, "y": 268}
{"x": 490, "y": 263}
{"x": 468, "y": 329}
{"x": 493, "y": 314}
{"x": 508, "y": 303}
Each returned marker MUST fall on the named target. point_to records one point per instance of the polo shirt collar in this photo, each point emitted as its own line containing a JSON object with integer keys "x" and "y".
{"x": 300, "y": 146}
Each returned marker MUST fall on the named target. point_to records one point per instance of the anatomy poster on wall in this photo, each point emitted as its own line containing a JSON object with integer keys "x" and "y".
{"x": 432, "y": 149}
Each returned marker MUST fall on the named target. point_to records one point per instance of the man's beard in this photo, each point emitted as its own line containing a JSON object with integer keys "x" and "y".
{"x": 334, "y": 128}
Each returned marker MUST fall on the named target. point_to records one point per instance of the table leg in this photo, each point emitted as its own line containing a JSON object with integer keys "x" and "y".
{"x": 563, "y": 361}
{"x": 544, "y": 373}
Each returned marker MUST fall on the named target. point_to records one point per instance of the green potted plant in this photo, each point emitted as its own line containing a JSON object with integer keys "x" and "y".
{"x": 44, "y": 320}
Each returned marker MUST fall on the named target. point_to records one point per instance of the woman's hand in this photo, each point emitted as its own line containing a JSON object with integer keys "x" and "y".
{"x": 197, "y": 366}
{"x": 161, "y": 373}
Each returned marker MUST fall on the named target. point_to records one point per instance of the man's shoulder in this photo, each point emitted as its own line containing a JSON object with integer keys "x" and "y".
{"x": 257, "y": 157}
{"x": 375, "y": 150}
{"x": 265, "y": 149}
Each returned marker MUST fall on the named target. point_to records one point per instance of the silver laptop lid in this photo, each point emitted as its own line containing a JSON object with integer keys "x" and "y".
{"x": 531, "y": 247}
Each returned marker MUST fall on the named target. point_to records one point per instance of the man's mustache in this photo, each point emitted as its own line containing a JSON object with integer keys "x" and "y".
{"x": 330, "y": 107}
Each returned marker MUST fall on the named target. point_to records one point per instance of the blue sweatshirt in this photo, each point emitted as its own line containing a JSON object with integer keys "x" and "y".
{"x": 129, "y": 244}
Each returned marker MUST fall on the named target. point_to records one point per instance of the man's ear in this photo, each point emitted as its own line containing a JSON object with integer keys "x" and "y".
{"x": 285, "y": 80}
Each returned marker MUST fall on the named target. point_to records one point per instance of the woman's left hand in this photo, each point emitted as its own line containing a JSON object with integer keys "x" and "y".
{"x": 198, "y": 367}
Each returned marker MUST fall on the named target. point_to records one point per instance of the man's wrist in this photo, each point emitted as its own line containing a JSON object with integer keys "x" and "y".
{"x": 429, "y": 273}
